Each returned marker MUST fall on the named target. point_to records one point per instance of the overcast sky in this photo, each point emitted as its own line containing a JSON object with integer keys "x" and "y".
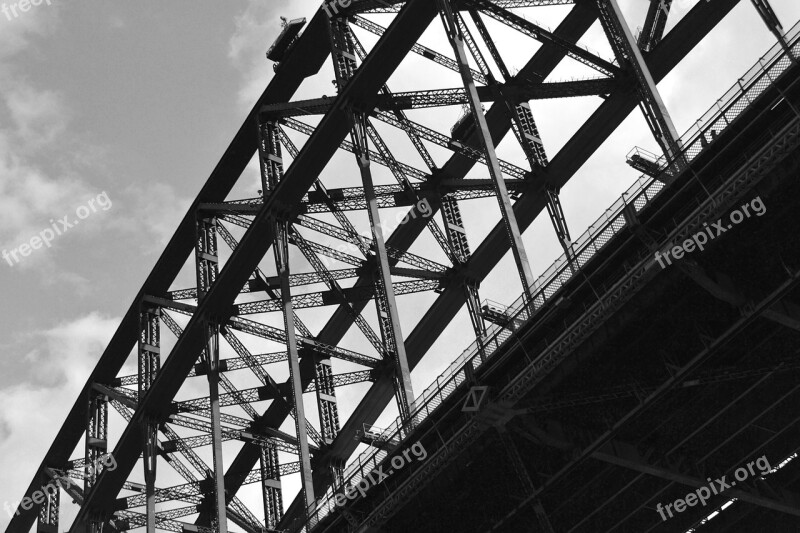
{"x": 113, "y": 114}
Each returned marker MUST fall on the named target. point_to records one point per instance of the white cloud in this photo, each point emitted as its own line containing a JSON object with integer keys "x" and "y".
{"x": 35, "y": 185}
{"x": 29, "y": 198}
{"x": 39, "y": 116}
{"x": 158, "y": 210}
{"x": 15, "y": 33}
{"x": 248, "y": 45}
{"x": 57, "y": 370}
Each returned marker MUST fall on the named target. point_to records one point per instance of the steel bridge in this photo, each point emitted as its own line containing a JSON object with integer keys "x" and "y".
{"x": 613, "y": 386}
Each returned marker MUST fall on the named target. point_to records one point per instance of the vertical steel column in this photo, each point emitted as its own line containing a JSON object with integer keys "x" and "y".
{"x": 654, "y": 24}
{"x": 48, "y": 511}
{"x": 769, "y": 17}
{"x": 271, "y": 485}
{"x": 457, "y": 235}
{"x": 474, "y": 50}
{"x": 271, "y": 174}
{"x": 523, "y": 124}
{"x": 96, "y": 437}
{"x": 96, "y": 446}
{"x": 388, "y": 316}
{"x": 522, "y": 120}
{"x": 218, "y": 473}
{"x": 506, "y": 210}
{"x": 326, "y": 400}
{"x": 281, "y": 249}
{"x": 556, "y": 213}
{"x": 150, "y": 456}
{"x": 525, "y": 479}
{"x": 94, "y": 524}
{"x": 344, "y": 59}
{"x": 207, "y": 263}
{"x": 269, "y": 151}
{"x": 342, "y": 51}
{"x": 627, "y": 51}
{"x": 527, "y": 133}
{"x": 773, "y": 24}
{"x": 149, "y": 364}
{"x": 473, "y": 300}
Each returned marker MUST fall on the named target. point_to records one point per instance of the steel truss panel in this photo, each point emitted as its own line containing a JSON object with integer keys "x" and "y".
{"x": 412, "y": 20}
{"x": 546, "y": 59}
{"x": 675, "y": 46}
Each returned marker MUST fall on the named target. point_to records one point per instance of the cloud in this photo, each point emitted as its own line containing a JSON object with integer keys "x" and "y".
{"x": 29, "y": 197}
{"x": 165, "y": 209}
{"x": 38, "y": 115}
{"x": 15, "y": 33}
{"x": 38, "y": 180}
{"x": 247, "y": 46}
{"x": 70, "y": 351}
{"x": 58, "y": 369}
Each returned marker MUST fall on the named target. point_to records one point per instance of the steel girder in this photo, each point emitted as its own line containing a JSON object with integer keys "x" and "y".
{"x": 423, "y": 132}
{"x": 237, "y": 511}
{"x": 392, "y": 6}
{"x": 519, "y": 92}
{"x": 271, "y": 165}
{"x": 333, "y": 297}
{"x": 654, "y": 24}
{"x": 149, "y": 363}
{"x": 263, "y": 393}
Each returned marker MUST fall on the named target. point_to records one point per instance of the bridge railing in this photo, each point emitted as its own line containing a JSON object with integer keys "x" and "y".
{"x": 723, "y": 113}
{"x": 738, "y": 98}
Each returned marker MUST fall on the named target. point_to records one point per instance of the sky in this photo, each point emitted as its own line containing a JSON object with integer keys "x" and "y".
{"x": 113, "y": 114}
